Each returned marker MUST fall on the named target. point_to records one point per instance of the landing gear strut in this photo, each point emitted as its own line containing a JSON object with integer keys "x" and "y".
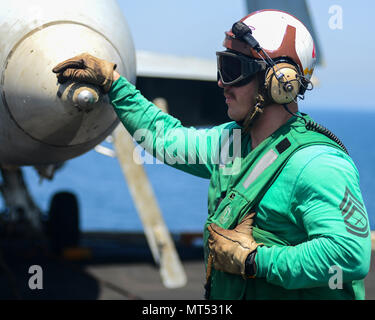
{"x": 22, "y": 216}
{"x": 23, "y": 219}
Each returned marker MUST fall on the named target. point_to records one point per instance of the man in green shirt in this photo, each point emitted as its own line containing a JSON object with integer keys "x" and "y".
{"x": 286, "y": 218}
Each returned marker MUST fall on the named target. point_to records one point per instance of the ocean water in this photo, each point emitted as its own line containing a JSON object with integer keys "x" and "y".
{"x": 106, "y": 205}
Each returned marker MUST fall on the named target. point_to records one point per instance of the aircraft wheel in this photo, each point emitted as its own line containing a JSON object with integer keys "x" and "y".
{"x": 63, "y": 222}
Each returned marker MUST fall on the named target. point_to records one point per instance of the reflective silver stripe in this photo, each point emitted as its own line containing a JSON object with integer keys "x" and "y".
{"x": 262, "y": 165}
{"x": 224, "y": 152}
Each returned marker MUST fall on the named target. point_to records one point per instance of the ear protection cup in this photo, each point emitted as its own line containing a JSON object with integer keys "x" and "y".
{"x": 285, "y": 89}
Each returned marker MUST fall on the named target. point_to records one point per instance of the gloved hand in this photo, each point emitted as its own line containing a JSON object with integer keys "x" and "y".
{"x": 230, "y": 248}
{"x": 86, "y": 68}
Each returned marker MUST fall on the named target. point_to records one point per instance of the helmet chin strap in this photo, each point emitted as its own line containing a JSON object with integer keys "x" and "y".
{"x": 254, "y": 114}
{"x": 261, "y": 101}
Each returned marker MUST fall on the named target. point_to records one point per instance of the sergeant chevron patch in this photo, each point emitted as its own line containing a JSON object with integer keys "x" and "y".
{"x": 354, "y": 215}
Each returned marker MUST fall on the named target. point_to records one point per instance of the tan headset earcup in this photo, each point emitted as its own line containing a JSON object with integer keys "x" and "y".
{"x": 276, "y": 88}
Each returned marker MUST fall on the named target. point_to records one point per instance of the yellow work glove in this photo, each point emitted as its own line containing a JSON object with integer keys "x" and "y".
{"x": 230, "y": 248}
{"x": 86, "y": 68}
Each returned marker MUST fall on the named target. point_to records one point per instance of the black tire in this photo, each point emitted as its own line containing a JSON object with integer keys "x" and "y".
{"x": 63, "y": 222}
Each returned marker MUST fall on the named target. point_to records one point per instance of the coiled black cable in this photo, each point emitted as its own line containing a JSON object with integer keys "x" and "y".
{"x": 313, "y": 126}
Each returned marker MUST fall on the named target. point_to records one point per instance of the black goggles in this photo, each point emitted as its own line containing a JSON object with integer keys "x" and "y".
{"x": 233, "y": 68}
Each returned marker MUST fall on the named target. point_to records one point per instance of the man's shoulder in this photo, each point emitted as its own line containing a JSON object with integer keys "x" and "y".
{"x": 319, "y": 152}
{"x": 321, "y": 160}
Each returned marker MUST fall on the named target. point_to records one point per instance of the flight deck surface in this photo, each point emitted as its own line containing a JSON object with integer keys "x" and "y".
{"x": 106, "y": 267}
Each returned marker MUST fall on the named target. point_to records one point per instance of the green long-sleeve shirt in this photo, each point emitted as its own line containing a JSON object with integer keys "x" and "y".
{"x": 306, "y": 206}
{"x": 315, "y": 204}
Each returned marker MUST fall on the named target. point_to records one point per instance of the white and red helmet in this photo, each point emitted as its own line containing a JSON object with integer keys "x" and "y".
{"x": 281, "y": 35}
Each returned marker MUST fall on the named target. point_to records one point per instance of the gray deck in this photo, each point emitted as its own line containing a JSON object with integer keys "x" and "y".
{"x": 117, "y": 270}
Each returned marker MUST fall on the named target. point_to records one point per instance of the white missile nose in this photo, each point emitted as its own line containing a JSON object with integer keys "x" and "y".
{"x": 67, "y": 114}
{"x": 41, "y": 120}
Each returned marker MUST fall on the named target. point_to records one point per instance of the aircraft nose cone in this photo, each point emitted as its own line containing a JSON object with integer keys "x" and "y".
{"x": 59, "y": 115}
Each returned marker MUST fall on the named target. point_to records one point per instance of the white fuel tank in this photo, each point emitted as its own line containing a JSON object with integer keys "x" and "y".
{"x": 41, "y": 121}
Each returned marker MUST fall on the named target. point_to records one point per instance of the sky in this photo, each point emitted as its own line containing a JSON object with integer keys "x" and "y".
{"x": 196, "y": 28}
